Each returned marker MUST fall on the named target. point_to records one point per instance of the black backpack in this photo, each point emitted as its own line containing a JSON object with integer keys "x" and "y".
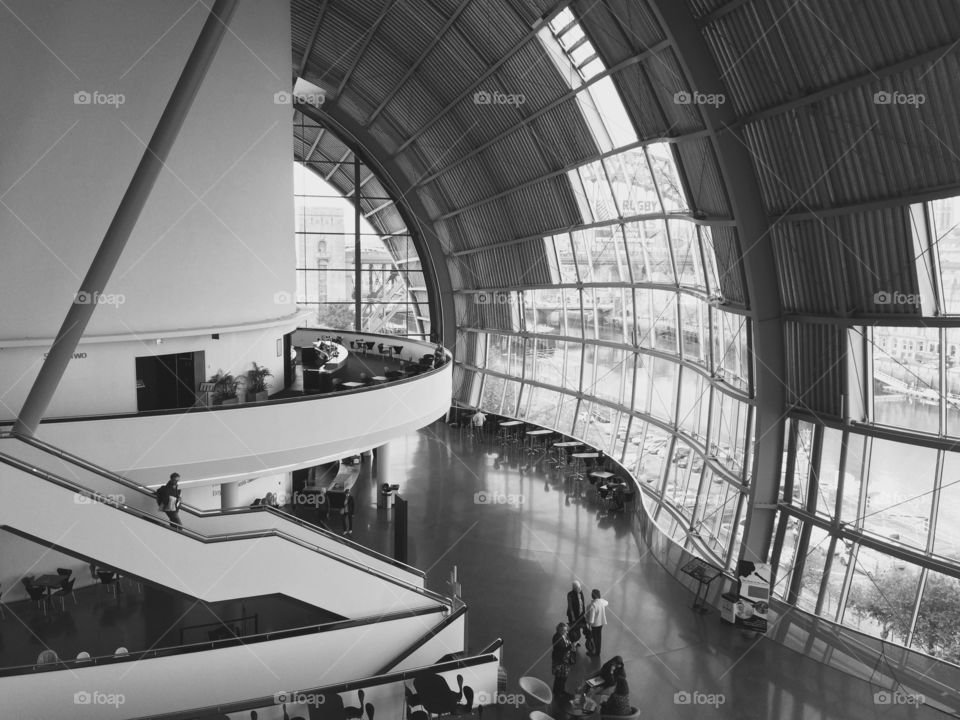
{"x": 161, "y": 495}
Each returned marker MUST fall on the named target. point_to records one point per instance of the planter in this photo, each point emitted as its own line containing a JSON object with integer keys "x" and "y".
{"x": 261, "y": 396}
{"x": 231, "y": 401}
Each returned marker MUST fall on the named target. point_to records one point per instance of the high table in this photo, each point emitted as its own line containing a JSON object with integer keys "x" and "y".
{"x": 566, "y": 447}
{"x": 507, "y": 427}
{"x": 535, "y": 438}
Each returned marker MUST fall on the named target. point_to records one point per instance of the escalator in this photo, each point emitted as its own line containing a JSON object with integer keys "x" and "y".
{"x": 102, "y": 519}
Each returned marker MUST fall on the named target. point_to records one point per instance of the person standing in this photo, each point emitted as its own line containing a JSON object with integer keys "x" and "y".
{"x": 323, "y": 509}
{"x": 576, "y": 608}
{"x": 168, "y": 499}
{"x": 596, "y": 619}
{"x": 348, "y": 508}
{"x": 559, "y": 654}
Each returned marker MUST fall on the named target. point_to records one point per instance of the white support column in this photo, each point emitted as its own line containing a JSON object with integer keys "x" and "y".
{"x": 382, "y": 464}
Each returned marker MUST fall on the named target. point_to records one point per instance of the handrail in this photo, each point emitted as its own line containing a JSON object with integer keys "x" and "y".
{"x": 342, "y": 687}
{"x": 422, "y": 640}
{"x": 190, "y": 510}
{"x": 222, "y": 537}
{"x": 137, "y": 655}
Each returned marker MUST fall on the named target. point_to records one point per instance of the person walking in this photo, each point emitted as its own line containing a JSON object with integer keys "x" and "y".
{"x": 348, "y": 508}
{"x": 559, "y": 657}
{"x": 323, "y": 509}
{"x": 168, "y": 500}
{"x": 576, "y": 608}
{"x": 596, "y": 619}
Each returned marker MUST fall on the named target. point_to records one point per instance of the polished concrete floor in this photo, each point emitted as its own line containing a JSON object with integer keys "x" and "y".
{"x": 516, "y": 559}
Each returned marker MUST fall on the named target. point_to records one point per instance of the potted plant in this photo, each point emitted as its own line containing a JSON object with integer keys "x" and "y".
{"x": 225, "y": 388}
{"x": 257, "y": 382}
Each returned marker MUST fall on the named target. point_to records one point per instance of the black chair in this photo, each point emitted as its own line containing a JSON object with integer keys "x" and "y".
{"x": 65, "y": 589}
{"x": 108, "y": 578}
{"x": 38, "y": 594}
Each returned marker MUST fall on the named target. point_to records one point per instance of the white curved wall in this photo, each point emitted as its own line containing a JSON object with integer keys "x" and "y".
{"x": 254, "y": 440}
{"x": 213, "y": 245}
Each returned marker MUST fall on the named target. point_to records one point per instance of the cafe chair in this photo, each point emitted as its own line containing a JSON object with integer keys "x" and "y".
{"x": 539, "y": 715}
{"x": 536, "y": 692}
{"x": 120, "y": 652}
{"x": 64, "y": 590}
{"x": 39, "y": 595}
{"x": 47, "y": 657}
{"x": 83, "y": 656}
{"x": 65, "y": 572}
{"x": 634, "y": 714}
{"x": 108, "y": 578}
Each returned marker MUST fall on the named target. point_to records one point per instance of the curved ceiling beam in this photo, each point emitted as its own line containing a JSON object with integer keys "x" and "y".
{"x": 414, "y": 214}
{"x": 753, "y": 227}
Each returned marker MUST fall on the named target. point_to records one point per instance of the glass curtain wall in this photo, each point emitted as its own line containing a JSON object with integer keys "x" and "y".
{"x": 869, "y": 522}
{"x": 355, "y": 277}
{"x": 631, "y": 347}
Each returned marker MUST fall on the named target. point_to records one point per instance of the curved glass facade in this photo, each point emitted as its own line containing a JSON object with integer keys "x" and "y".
{"x": 631, "y": 348}
{"x": 869, "y": 523}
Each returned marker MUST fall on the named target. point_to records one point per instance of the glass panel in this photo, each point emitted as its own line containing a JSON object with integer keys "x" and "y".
{"x": 784, "y": 570}
{"x": 952, "y": 398}
{"x": 597, "y": 189}
{"x": 547, "y": 361}
{"x": 542, "y": 406}
{"x": 945, "y": 219}
{"x": 710, "y": 259}
{"x": 813, "y": 567}
{"x": 606, "y": 97}
{"x": 729, "y": 430}
{"x": 583, "y": 249}
{"x": 906, "y": 377}
{"x": 337, "y": 317}
{"x": 694, "y": 403}
{"x": 565, "y": 257}
{"x": 613, "y": 366}
{"x": 694, "y": 317}
{"x": 899, "y": 493}
{"x": 492, "y": 393}
{"x": 882, "y": 596}
{"x": 853, "y": 476}
{"x": 804, "y": 459}
{"x": 660, "y": 315}
{"x": 511, "y": 396}
{"x": 829, "y": 472}
{"x": 666, "y": 176}
{"x": 686, "y": 253}
{"x": 505, "y": 354}
{"x": 632, "y": 183}
{"x": 568, "y": 409}
{"x": 609, "y": 303}
{"x": 655, "y": 391}
{"x": 730, "y": 349}
{"x": 947, "y": 540}
{"x": 936, "y": 630}
{"x": 546, "y": 315}
{"x": 607, "y": 254}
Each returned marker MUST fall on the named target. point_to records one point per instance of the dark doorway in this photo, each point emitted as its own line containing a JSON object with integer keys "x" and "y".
{"x": 288, "y": 369}
{"x": 168, "y": 382}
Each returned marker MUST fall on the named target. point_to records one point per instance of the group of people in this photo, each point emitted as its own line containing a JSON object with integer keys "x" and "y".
{"x": 587, "y": 620}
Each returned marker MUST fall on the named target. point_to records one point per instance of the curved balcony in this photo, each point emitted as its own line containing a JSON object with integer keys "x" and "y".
{"x": 237, "y": 442}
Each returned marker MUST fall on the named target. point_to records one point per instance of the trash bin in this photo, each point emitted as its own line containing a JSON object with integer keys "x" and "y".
{"x": 386, "y": 495}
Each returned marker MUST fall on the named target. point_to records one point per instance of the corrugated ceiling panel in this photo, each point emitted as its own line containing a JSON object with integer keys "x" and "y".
{"x": 707, "y": 189}
{"x": 814, "y": 367}
{"x": 533, "y": 74}
{"x": 483, "y": 225}
{"x": 668, "y": 80}
{"x": 452, "y": 67}
{"x": 565, "y": 135}
{"x": 701, "y": 8}
{"x": 491, "y": 28}
{"x": 809, "y": 268}
{"x": 415, "y": 104}
{"x": 634, "y": 16}
{"x": 733, "y": 282}
{"x": 541, "y": 208}
{"x": 303, "y": 15}
{"x": 466, "y": 183}
{"x": 604, "y": 30}
{"x": 516, "y": 159}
